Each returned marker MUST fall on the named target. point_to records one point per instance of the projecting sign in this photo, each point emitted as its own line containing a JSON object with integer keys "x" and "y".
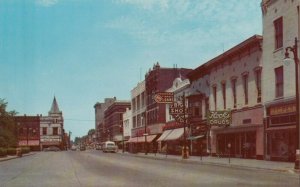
{"x": 219, "y": 118}
{"x": 164, "y": 97}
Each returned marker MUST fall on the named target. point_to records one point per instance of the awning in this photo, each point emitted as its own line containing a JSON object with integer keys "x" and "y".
{"x": 132, "y": 140}
{"x": 175, "y": 134}
{"x": 141, "y": 139}
{"x": 164, "y": 135}
{"x": 195, "y": 137}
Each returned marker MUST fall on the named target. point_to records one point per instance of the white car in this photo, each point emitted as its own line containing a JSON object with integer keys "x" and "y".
{"x": 109, "y": 146}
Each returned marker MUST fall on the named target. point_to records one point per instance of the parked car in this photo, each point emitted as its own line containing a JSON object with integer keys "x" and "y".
{"x": 109, "y": 146}
{"x": 52, "y": 148}
{"x": 82, "y": 148}
{"x": 73, "y": 148}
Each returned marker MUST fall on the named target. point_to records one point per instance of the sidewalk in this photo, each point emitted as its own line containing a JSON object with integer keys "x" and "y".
{"x": 14, "y": 157}
{"x": 241, "y": 163}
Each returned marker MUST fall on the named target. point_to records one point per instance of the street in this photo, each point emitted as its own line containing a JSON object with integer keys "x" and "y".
{"x": 94, "y": 168}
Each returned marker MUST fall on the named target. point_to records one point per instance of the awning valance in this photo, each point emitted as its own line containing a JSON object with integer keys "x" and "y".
{"x": 164, "y": 135}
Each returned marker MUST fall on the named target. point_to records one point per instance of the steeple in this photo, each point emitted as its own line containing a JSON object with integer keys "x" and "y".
{"x": 54, "y": 108}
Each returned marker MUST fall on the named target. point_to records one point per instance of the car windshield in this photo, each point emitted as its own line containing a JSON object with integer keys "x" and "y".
{"x": 110, "y": 144}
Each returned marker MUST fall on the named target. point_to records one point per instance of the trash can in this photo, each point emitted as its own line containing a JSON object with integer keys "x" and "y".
{"x": 186, "y": 155}
{"x": 19, "y": 152}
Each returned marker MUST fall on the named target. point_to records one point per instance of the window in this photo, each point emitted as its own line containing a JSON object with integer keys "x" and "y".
{"x": 245, "y": 85}
{"x": 55, "y": 130}
{"x": 258, "y": 84}
{"x": 215, "y": 96}
{"x": 278, "y": 26}
{"x": 44, "y": 130}
{"x": 224, "y": 94}
{"x": 279, "y": 81}
{"x": 233, "y": 86}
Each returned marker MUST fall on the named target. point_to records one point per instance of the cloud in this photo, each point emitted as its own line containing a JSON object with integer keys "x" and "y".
{"x": 146, "y": 4}
{"x": 46, "y": 3}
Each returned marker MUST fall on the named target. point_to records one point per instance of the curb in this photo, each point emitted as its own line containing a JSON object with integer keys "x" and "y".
{"x": 287, "y": 171}
{"x": 14, "y": 157}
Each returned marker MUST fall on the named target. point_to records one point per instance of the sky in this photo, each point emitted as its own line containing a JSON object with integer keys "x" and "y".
{"x": 82, "y": 51}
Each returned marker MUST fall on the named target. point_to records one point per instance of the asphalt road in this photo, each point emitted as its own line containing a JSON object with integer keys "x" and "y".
{"x": 94, "y": 168}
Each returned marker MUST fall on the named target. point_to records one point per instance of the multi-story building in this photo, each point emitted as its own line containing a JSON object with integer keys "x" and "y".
{"x": 52, "y": 128}
{"x": 198, "y": 104}
{"x": 158, "y": 79}
{"x": 127, "y": 126}
{"x": 113, "y": 121}
{"x": 172, "y": 138}
{"x": 99, "y": 118}
{"x": 232, "y": 81}
{"x": 138, "y": 109}
{"x": 28, "y": 131}
{"x": 281, "y": 25}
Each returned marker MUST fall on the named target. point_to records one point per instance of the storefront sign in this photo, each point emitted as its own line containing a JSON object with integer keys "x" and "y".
{"x": 219, "y": 118}
{"x": 283, "y": 109}
{"x": 164, "y": 97}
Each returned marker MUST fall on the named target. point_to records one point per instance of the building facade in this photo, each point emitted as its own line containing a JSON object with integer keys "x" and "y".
{"x": 99, "y": 118}
{"x": 52, "y": 128}
{"x": 28, "y": 131}
{"x": 158, "y": 79}
{"x": 198, "y": 104}
{"x": 113, "y": 121}
{"x": 172, "y": 139}
{"x": 281, "y": 22}
{"x": 127, "y": 126}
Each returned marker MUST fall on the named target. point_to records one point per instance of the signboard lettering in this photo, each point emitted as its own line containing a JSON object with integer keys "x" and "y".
{"x": 164, "y": 97}
{"x": 219, "y": 118}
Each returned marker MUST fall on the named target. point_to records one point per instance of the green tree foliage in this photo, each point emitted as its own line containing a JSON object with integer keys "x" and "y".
{"x": 7, "y": 126}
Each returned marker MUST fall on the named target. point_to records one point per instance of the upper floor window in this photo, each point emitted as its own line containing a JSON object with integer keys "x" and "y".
{"x": 215, "y": 96}
{"x": 44, "y": 130}
{"x": 279, "y": 81}
{"x": 233, "y": 86}
{"x": 55, "y": 130}
{"x": 258, "y": 84}
{"x": 224, "y": 94}
{"x": 278, "y": 27}
{"x": 245, "y": 85}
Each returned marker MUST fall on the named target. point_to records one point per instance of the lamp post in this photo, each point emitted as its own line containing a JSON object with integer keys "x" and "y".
{"x": 294, "y": 50}
{"x": 184, "y": 156}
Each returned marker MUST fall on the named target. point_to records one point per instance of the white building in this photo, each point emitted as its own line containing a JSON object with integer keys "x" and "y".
{"x": 52, "y": 128}
{"x": 281, "y": 25}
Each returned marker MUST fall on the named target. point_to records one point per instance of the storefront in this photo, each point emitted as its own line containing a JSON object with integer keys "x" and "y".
{"x": 281, "y": 131}
{"x": 242, "y": 144}
{"x": 243, "y": 138}
{"x": 172, "y": 140}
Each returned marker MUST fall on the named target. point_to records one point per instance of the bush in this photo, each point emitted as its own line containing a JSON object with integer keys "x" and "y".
{"x": 25, "y": 150}
{"x": 3, "y": 152}
{"x": 11, "y": 151}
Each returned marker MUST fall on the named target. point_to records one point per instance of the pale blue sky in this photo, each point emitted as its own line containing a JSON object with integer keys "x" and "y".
{"x": 83, "y": 51}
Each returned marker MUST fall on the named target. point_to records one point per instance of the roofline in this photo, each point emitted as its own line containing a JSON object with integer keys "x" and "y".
{"x": 248, "y": 42}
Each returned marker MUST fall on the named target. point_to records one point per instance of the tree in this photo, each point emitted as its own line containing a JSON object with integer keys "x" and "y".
{"x": 7, "y": 126}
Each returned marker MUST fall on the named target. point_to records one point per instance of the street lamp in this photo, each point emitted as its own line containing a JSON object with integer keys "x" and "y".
{"x": 294, "y": 50}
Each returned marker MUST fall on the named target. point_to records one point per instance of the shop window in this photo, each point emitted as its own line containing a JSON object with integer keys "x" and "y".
{"x": 279, "y": 81}
{"x": 278, "y": 27}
